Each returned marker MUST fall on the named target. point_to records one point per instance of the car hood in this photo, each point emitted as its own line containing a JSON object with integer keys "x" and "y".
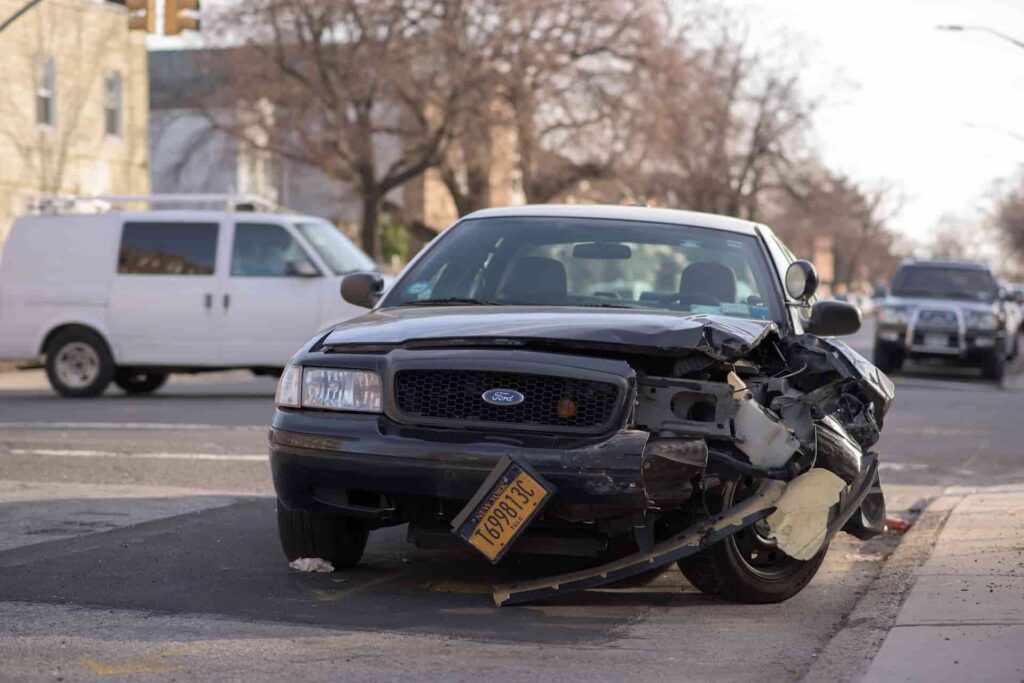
{"x": 720, "y": 337}
{"x": 916, "y": 302}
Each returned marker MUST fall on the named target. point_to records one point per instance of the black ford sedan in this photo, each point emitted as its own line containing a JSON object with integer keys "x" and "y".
{"x": 633, "y": 385}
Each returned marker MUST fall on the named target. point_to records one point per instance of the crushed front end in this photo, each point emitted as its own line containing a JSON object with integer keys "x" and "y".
{"x": 654, "y": 453}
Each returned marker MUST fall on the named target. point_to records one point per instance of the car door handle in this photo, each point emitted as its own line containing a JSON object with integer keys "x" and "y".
{"x": 208, "y": 301}
{"x": 227, "y": 301}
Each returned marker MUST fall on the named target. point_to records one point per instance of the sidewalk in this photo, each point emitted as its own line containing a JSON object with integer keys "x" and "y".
{"x": 964, "y": 617}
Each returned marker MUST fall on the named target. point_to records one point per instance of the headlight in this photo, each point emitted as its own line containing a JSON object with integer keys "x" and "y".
{"x": 289, "y": 387}
{"x": 982, "y": 320}
{"x": 892, "y": 316}
{"x": 329, "y": 389}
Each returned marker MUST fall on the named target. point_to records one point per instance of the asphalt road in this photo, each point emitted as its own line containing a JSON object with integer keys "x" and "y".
{"x": 137, "y": 538}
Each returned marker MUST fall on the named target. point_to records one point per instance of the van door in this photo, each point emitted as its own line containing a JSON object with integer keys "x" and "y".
{"x": 162, "y": 301}
{"x": 272, "y": 296}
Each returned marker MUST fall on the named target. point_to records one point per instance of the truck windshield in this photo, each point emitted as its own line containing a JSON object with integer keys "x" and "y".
{"x": 335, "y": 249}
{"x": 590, "y": 262}
{"x": 936, "y": 282}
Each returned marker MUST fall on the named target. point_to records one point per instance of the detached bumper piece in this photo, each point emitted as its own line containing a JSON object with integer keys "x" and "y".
{"x": 693, "y": 540}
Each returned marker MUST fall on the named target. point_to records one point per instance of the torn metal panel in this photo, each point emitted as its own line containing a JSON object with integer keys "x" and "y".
{"x": 684, "y": 406}
{"x": 800, "y": 521}
{"x": 667, "y": 468}
{"x": 694, "y": 539}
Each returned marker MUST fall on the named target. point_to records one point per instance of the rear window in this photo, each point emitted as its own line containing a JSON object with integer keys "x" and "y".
{"x": 168, "y": 249}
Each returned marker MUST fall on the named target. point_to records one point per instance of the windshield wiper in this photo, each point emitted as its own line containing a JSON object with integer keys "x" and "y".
{"x": 451, "y": 301}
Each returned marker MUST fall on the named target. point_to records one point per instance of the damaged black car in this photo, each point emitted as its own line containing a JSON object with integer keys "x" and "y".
{"x": 634, "y": 385}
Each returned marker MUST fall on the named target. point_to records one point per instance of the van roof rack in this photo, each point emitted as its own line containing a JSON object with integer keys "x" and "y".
{"x": 58, "y": 204}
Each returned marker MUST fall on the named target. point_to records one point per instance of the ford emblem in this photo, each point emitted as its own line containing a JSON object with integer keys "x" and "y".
{"x": 503, "y": 397}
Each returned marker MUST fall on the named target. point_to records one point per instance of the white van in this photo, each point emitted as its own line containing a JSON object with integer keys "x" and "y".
{"x": 129, "y": 296}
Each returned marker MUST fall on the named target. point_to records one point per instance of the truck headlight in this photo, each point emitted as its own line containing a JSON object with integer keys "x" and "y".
{"x": 330, "y": 389}
{"x": 890, "y": 315}
{"x": 981, "y": 320}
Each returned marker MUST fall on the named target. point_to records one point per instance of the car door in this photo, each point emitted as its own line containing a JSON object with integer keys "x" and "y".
{"x": 272, "y": 295}
{"x": 162, "y": 299}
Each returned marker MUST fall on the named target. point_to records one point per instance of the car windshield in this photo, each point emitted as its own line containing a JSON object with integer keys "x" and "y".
{"x": 935, "y": 282}
{"x": 592, "y": 263}
{"x": 335, "y": 249}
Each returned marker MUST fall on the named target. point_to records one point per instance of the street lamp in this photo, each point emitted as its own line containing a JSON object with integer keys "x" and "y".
{"x": 998, "y": 34}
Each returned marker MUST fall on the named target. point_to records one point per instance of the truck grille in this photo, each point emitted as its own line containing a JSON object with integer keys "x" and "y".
{"x": 549, "y": 401}
{"x": 937, "y": 319}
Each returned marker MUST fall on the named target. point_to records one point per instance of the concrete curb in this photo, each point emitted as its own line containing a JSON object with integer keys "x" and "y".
{"x": 858, "y": 639}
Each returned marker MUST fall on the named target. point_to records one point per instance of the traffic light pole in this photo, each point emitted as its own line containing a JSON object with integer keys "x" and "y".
{"x": 14, "y": 17}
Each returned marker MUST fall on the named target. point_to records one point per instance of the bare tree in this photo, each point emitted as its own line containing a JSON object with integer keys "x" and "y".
{"x": 365, "y": 91}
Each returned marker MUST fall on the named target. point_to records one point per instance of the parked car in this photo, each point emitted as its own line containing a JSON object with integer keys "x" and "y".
{"x": 130, "y": 296}
{"x": 947, "y": 310}
{"x": 497, "y": 395}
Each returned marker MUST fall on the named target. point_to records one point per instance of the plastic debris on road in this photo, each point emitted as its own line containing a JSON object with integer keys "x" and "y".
{"x": 312, "y": 564}
{"x": 900, "y": 526}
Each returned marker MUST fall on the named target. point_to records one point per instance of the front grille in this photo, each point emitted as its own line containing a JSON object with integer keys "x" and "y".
{"x": 943, "y": 319}
{"x": 550, "y": 401}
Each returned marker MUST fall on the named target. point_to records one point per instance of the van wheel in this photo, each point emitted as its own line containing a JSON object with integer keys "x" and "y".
{"x": 748, "y": 566}
{"x": 333, "y": 537}
{"x": 78, "y": 364}
{"x": 134, "y": 382}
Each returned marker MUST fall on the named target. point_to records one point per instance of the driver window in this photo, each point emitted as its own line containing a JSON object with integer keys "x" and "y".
{"x": 265, "y": 250}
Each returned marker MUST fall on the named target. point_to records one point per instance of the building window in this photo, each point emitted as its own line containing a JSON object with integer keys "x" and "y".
{"x": 46, "y": 92}
{"x": 112, "y": 104}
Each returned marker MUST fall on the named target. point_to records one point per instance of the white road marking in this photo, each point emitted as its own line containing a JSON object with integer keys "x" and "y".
{"x": 70, "y": 453}
{"x": 173, "y": 426}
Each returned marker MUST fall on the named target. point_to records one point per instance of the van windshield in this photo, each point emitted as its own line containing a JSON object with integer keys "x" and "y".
{"x": 338, "y": 251}
{"x": 589, "y": 262}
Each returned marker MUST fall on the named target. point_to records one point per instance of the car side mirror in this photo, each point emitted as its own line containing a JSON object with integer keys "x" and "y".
{"x": 301, "y": 269}
{"x": 362, "y": 289}
{"x": 801, "y": 280}
{"x": 833, "y": 319}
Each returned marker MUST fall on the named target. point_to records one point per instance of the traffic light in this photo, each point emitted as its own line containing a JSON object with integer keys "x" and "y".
{"x": 180, "y": 15}
{"x": 143, "y": 15}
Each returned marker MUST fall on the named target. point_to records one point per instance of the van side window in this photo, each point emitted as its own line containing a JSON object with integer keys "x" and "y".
{"x": 265, "y": 250}
{"x": 168, "y": 249}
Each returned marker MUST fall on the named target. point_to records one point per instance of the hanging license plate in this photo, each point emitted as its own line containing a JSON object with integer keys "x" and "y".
{"x": 501, "y": 509}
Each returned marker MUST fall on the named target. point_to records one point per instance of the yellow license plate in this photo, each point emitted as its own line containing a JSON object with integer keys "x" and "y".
{"x": 502, "y": 508}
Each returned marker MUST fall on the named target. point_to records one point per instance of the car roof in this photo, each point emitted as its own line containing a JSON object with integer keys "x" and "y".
{"x": 945, "y": 263}
{"x": 625, "y": 213}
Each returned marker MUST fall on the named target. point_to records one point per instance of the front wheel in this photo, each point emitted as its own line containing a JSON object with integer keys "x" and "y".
{"x": 330, "y": 536}
{"x": 748, "y": 566}
{"x": 994, "y": 366}
{"x": 79, "y": 364}
{"x": 133, "y": 382}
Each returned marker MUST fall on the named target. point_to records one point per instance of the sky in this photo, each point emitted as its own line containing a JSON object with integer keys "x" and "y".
{"x": 938, "y": 114}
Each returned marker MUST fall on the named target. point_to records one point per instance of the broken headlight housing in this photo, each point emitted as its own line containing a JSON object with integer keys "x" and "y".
{"x": 982, "y": 320}
{"x": 330, "y": 389}
{"x": 893, "y": 315}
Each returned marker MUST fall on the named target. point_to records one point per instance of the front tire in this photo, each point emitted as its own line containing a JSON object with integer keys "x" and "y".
{"x": 994, "y": 366}
{"x": 747, "y": 567}
{"x": 133, "y": 382}
{"x": 330, "y": 536}
{"x": 886, "y": 359}
{"x": 79, "y": 364}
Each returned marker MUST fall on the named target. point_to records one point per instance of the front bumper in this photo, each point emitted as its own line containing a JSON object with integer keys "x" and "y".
{"x": 371, "y": 467}
{"x": 965, "y": 344}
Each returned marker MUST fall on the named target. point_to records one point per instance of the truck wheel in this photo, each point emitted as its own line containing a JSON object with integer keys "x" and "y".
{"x": 79, "y": 364}
{"x": 747, "y": 567}
{"x": 887, "y": 360}
{"x": 994, "y": 366}
{"x": 333, "y": 537}
{"x": 133, "y": 382}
